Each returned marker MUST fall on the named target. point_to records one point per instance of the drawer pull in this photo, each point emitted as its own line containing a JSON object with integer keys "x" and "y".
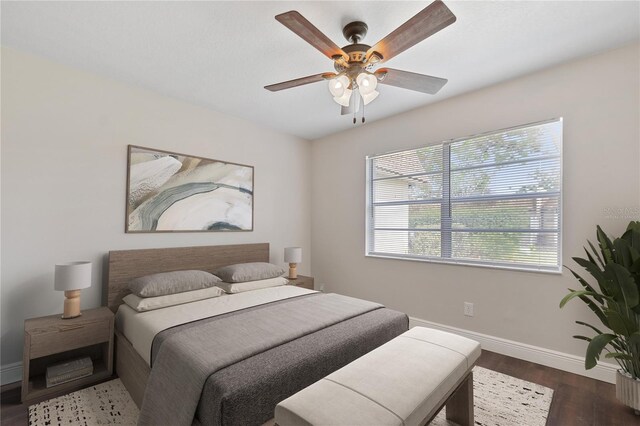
{"x": 70, "y": 327}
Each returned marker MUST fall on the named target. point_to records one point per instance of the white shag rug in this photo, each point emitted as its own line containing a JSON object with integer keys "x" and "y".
{"x": 500, "y": 400}
{"x": 108, "y": 403}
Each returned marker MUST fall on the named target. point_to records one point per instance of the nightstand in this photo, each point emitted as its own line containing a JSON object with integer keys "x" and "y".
{"x": 51, "y": 339}
{"x": 303, "y": 281}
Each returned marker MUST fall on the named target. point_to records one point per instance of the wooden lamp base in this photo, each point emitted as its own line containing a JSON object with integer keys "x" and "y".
{"x": 71, "y": 304}
{"x": 293, "y": 271}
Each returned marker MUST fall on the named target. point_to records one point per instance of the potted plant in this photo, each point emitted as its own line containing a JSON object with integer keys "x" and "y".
{"x": 616, "y": 302}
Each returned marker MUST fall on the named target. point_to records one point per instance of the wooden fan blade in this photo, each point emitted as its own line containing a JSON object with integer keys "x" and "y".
{"x": 411, "y": 80}
{"x": 424, "y": 24}
{"x": 305, "y": 29}
{"x": 299, "y": 81}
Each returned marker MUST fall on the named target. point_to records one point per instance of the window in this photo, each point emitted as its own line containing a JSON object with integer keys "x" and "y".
{"x": 492, "y": 200}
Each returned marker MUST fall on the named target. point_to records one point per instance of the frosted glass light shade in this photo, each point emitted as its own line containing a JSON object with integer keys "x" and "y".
{"x": 338, "y": 85}
{"x": 344, "y": 99}
{"x": 367, "y": 83}
{"x": 369, "y": 97}
{"x": 293, "y": 254}
{"x": 72, "y": 276}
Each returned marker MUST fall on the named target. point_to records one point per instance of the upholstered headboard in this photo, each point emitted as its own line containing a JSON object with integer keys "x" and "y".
{"x": 124, "y": 265}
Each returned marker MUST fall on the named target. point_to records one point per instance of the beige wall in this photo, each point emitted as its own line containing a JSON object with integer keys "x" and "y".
{"x": 64, "y": 137}
{"x": 64, "y": 155}
{"x": 599, "y": 100}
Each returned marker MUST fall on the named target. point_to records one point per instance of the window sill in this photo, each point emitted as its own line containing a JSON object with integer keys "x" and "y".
{"x": 465, "y": 263}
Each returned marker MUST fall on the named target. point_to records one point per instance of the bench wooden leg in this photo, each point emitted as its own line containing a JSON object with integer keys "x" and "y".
{"x": 460, "y": 404}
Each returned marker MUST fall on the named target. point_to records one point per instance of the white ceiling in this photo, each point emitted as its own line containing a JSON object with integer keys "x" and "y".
{"x": 221, "y": 54}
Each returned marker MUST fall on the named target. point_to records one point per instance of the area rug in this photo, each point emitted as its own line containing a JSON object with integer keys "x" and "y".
{"x": 108, "y": 403}
{"x": 500, "y": 400}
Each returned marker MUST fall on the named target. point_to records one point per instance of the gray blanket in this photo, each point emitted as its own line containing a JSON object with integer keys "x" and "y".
{"x": 185, "y": 360}
{"x": 247, "y": 392}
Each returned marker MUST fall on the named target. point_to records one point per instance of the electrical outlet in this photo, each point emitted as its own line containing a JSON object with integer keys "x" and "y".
{"x": 321, "y": 287}
{"x": 468, "y": 309}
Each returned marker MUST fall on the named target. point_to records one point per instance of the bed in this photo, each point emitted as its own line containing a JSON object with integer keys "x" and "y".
{"x": 230, "y": 361}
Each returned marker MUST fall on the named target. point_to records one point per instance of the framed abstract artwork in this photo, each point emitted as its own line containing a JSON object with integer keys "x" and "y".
{"x": 171, "y": 192}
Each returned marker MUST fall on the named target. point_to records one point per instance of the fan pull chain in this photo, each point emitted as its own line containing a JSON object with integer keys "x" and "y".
{"x": 354, "y": 116}
{"x": 363, "y": 112}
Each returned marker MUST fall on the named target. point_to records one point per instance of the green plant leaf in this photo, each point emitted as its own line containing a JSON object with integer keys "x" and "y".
{"x": 592, "y": 268}
{"x": 617, "y": 323}
{"x": 616, "y": 269}
{"x": 605, "y": 245}
{"x": 621, "y": 253}
{"x": 633, "y": 234}
{"x": 575, "y": 293}
{"x": 615, "y": 344}
{"x": 589, "y": 256}
{"x": 610, "y": 285}
{"x": 626, "y": 283}
{"x": 635, "y": 254}
{"x": 587, "y": 286}
{"x": 596, "y": 345}
{"x": 595, "y": 252}
{"x": 633, "y": 343}
{"x": 590, "y": 326}
{"x": 596, "y": 310}
{"x": 619, "y": 355}
{"x": 634, "y": 339}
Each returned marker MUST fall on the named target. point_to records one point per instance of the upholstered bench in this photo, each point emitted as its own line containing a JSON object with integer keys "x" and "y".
{"x": 404, "y": 382}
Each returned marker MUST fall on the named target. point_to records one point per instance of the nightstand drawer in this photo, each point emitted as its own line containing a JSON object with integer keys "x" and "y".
{"x": 303, "y": 281}
{"x": 66, "y": 337}
{"x": 51, "y": 339}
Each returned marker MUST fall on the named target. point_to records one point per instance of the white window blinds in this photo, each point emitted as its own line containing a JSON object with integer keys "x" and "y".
{"x": 492, "y": 200}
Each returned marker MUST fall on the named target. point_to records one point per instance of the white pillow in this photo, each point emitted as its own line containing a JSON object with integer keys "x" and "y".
{"x": 143, "y": 304}
{"x": 251, "y": 285}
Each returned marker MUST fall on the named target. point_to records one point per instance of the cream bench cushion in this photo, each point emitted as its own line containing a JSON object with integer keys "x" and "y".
{"x": 402, "y": 382}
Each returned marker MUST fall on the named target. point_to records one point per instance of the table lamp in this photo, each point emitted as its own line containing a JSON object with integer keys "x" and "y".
{"x": 71, "y": 278}
{"x": 293, "y": 256}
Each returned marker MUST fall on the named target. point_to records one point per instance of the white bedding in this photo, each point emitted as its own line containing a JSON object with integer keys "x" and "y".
{"x": 140, "y": 328}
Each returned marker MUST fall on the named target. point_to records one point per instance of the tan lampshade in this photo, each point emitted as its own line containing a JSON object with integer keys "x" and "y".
{"x": 73, "y": 276}
{"x": 293, "y": 254}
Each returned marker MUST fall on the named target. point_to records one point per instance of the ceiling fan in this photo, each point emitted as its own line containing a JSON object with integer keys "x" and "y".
{"x": 356, "y": 77}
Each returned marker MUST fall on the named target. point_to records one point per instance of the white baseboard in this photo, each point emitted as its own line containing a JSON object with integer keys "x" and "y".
{"x": 11, "y": 373}
{"x": 562, "y": 361}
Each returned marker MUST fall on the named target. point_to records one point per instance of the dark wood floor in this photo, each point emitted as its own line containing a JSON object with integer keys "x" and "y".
{"x": 577, "y": 400}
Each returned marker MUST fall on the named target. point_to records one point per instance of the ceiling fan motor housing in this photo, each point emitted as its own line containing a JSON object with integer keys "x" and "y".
{"x": 355, "y": 31}
{"x": 357, "y": 52}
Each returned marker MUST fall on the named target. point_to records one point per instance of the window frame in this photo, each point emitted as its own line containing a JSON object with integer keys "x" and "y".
{"x": 446, "y": 205}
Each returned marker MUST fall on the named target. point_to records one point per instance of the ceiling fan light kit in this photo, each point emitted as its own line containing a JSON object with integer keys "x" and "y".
{"x": 355, "y": 78}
